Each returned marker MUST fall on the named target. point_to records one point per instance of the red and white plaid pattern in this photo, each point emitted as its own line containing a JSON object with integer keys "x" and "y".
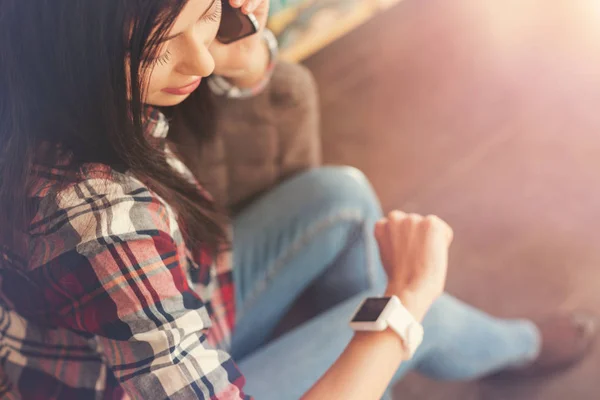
{"x": 109, "y": 303}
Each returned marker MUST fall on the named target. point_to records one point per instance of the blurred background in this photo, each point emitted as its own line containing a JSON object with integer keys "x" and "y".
{"x": 486, "y": 112}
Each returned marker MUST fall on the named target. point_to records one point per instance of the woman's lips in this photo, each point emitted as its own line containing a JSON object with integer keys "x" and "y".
{"x": 187, "y": 89}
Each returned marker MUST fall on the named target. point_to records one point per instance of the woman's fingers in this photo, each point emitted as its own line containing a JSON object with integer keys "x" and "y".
{"x": 247, "y": 6}
{"x": 437, "y": 223}
{"x": 250, "y": 6}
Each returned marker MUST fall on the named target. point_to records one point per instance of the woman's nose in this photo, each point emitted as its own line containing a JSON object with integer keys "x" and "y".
{"x": 197, "y": 59}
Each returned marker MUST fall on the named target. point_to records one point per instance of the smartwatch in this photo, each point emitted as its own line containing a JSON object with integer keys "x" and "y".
{"x": 380, "y": 313}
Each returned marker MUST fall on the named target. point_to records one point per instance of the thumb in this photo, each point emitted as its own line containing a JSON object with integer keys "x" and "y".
{"x": 382, "y": 238}
{"x": 380, "y": 227}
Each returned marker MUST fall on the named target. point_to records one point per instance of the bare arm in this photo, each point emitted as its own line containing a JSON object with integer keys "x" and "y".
{"x": 363, "y": 371}
{"x": 414, "y": 251}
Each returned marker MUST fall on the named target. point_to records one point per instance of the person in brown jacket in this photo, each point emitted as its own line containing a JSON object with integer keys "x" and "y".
{"x": 265, "y": 157}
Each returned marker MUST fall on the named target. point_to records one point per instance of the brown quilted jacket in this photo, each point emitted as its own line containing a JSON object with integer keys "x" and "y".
{"x": 260, "y": 140}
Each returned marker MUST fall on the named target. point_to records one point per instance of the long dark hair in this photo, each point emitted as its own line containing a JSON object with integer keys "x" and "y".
{"x": 64, "y": 79}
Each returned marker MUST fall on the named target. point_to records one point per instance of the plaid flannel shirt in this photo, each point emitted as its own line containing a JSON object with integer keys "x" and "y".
{"x": 109, "y": 302}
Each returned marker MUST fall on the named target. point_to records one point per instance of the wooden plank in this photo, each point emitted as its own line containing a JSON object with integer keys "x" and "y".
{"x": 279, "y": 21}
{"x": 318, "y": 37}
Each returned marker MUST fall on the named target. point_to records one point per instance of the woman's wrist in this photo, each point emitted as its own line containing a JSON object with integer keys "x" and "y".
{"x": 257, "y": 70}
{"x": 411, "y": 300}
{"x": 255, "y": 76}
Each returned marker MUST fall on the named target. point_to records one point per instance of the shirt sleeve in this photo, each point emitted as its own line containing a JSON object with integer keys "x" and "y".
{"x": 117, "y": 277}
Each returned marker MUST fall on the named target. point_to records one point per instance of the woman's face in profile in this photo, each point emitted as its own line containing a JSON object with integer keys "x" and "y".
{"x": 183, "y": 58}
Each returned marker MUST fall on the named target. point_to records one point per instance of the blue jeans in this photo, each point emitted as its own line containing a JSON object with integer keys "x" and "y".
{"x": 315, "y": 232}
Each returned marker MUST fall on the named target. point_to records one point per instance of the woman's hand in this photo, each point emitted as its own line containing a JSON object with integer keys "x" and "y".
{"x": 244, "y": 62}
{"x": 414, "y": 252}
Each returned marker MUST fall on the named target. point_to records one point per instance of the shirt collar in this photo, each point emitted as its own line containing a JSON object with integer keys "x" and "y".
{"x": 155, "y": 123}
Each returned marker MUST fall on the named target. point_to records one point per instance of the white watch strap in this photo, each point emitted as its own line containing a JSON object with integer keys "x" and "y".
{"x": 407, "y": 327}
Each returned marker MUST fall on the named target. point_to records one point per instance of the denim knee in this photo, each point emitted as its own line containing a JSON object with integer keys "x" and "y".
{"x": 342, "y": 192}
{"x": 346, "y": 187}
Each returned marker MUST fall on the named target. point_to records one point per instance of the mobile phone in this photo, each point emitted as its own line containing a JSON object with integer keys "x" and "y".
{"x": 235, "y": 25}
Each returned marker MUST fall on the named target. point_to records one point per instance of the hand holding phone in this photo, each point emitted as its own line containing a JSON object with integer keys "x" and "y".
{"x": 241, "y": 62}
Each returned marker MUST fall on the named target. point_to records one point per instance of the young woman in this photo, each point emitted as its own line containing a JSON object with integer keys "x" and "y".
{"x": 116, "y": 280}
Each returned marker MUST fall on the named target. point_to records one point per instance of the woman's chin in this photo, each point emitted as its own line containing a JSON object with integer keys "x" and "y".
{"x": 163, "y": 99}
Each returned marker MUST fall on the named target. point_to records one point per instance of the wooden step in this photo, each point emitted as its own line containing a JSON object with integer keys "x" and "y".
{"x": 326, "y": 26}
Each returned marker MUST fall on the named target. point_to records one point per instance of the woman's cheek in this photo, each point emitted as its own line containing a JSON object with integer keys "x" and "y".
{"x": 157, "y": 81}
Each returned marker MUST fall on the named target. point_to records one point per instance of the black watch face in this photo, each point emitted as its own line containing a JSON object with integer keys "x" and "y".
{"x": 371, "y": 309}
